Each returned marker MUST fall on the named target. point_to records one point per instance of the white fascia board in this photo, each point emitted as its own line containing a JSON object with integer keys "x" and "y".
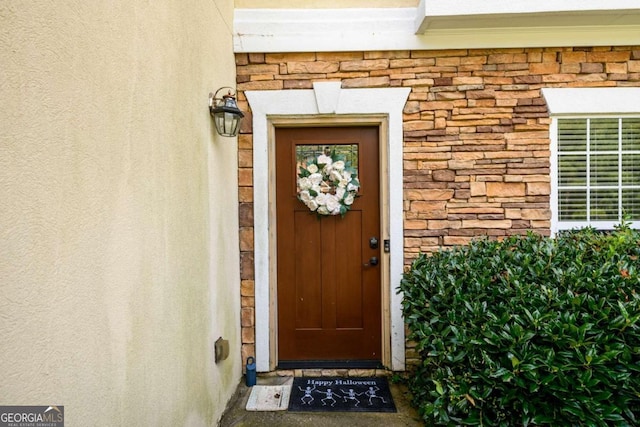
{"x": 339, "y": 30}
{"x": 453, "y": 14}
{"x": 313, "y": 30}
{"x": 582, "y": 101}
{"x": 475, "y": 7}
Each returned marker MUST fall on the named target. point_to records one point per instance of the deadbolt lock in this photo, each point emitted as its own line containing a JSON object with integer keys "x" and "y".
{"x": 373, "y": 243}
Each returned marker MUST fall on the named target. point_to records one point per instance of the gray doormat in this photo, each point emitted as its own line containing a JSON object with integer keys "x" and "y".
{"x": 338, "y": 394}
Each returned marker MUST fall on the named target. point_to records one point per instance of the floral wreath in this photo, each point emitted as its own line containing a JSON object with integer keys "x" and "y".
{"x": 327, "y": 185}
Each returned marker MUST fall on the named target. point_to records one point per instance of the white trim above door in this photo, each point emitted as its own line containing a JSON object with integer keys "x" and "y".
{"x": 434, "y": 25}
{"x": 330, "y": 105}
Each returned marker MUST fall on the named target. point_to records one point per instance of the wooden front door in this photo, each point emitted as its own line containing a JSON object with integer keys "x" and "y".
{"x": 328, "y": 275}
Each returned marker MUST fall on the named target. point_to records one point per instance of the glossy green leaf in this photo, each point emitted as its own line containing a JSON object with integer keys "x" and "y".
{"x": 545, "y": 331}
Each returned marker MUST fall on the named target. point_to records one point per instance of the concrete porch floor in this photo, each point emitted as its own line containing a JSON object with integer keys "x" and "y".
{"x": 237, "y": 416}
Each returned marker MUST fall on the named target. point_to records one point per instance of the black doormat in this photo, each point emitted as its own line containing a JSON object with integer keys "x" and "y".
{"x": 338, "y": 394}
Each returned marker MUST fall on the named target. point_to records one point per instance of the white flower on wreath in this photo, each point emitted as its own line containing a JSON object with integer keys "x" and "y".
{"x": 315, "y": 178}
{"x": 333, "y": 205}
{"x": 327, "y": 185}
{"x": 324, "y": 160}
{"x": 322, "y": 210}
{"x": 305, "y": 196}
{"x": 305, "y": 184}
{"x": 321, "y": 199}
{"x": 336, "y": 176}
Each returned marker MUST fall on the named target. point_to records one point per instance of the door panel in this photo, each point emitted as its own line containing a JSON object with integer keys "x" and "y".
{"x": 348, "y": 270}
{"x": 308, "y": 271}
{"x": 328, "y": 292}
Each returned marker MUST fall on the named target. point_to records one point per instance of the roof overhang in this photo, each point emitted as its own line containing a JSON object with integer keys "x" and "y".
{"x": 451, "y": 24}
{"x": 493, "y": 14}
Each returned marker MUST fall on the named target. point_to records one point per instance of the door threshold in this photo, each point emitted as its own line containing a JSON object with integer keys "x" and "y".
{"x": 329, "y": 364}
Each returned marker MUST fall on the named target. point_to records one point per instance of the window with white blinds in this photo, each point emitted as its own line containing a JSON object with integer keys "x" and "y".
{"x": 597, "y": 171}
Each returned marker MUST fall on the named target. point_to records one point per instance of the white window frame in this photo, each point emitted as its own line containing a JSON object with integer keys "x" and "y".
{"x": 585, "y": 103}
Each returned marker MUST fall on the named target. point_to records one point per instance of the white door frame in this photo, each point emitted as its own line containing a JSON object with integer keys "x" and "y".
{"x": 329, "y": 104}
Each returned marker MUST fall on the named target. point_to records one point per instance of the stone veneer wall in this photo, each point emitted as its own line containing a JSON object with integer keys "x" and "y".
{"x": 476, "y": 135}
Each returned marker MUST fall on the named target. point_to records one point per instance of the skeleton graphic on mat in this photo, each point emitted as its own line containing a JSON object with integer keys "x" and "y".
{"x": 371, "y": 394}
{"x": 307, "y": 398}
{"x": 330, "y": 396}
{"x": 351, "y": 395}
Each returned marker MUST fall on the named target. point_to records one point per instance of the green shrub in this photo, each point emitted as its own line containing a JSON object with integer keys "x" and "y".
{"x": 528, "y": 331}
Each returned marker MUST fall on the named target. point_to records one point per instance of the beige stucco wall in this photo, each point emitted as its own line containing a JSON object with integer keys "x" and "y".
{"x": 118, "y": 211}
{"x": 321, "y": 4}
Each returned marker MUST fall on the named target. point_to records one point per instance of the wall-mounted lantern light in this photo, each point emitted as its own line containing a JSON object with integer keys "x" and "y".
{"x": 226, "y": 114}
